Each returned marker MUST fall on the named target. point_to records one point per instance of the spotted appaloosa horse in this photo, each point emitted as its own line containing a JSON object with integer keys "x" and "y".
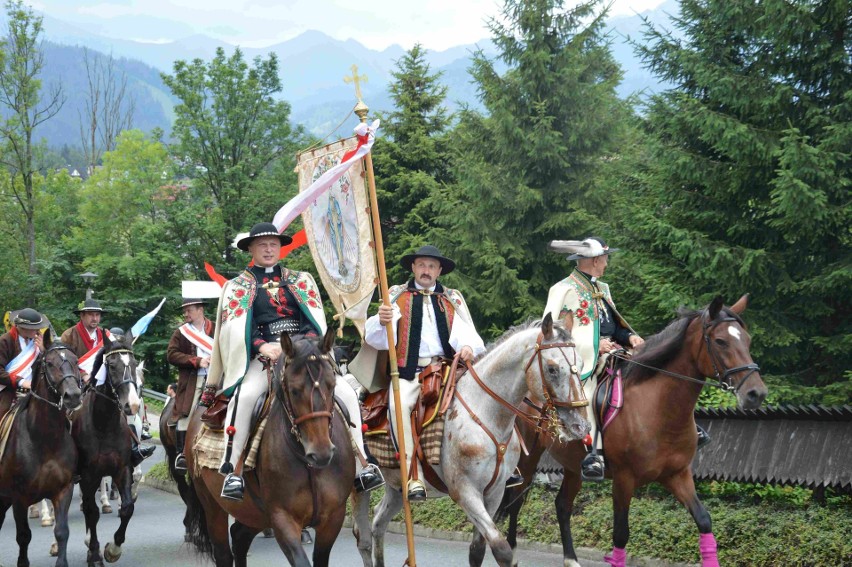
{"x": 653, "y": 438}
{"x": 541, "y": 360}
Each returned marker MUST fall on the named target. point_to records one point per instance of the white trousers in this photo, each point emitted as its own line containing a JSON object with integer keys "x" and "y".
{"x": 254, "y": 386}
{"x": 409, "y": 392}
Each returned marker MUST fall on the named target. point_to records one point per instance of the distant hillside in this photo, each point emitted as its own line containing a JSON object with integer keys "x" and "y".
{"x": 312, "y": 69}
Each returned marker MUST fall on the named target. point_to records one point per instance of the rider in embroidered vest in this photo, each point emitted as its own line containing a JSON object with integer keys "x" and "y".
{"x": 431, "y": 321}
{"x": 254, "y": 309}
{"x": 599, "y": 328}
{"x": 18, "y": 350}
{"x": 85, "y": 339}
{"x": 189, "y": 350}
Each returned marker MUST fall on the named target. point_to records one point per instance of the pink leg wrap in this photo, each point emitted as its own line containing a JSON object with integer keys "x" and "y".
{"x": 707, "y": 547}
{"x": 618, "y": 557}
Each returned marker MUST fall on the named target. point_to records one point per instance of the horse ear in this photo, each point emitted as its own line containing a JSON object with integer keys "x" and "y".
{"x": 740, "y": 305}
{"x": 547, "y": 326}
{"x": 568, "y": 321}
{"x": 328, "y": 341}
{"x": 714, "y": 307}
{"x": 287, "y": 345}
{"x": 47, "y": 339}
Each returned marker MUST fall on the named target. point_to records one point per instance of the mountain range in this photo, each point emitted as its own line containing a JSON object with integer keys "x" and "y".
{"x": 312, "y": 69}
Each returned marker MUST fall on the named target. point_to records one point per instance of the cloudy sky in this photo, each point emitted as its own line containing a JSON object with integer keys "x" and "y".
{"x": 377, "y": 24}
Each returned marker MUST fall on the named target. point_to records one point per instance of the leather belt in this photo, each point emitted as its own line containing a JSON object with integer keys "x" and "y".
{"x": 274, "y": 329}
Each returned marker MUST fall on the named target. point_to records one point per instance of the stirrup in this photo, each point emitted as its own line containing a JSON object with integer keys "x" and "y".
{"x": 515, "y": 479}
{"x": 180, "y": 463}
{"x": 592, "y": 468}
{"x": 233, "y": 487}
{"x": 369, "y": 479}
{"x": 416, "y": 490}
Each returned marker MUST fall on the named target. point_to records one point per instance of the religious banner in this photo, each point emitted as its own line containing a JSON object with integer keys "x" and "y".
{"x": 338, "y": 231}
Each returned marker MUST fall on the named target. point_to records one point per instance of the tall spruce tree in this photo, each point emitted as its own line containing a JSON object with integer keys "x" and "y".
{"x": 746, "y": 187}
{"x": 411, "y": 162}
{"x": 531, "y": 168}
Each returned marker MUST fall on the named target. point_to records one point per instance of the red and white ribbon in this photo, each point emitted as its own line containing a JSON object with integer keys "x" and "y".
{"x": 21, "y": 367}
{"x": 366, "y": 136}
{"x": 201, "y": 340}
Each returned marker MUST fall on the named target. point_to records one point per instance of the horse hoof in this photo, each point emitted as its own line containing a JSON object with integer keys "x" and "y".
{"x": 54, "y": 549}
{"x": 112, "y": 553}
{"x": 106, "y": 509}
{"x": 46, "y": 522}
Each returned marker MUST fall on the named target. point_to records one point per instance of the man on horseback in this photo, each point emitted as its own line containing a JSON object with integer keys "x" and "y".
{"x": 599, "y": 328}
{"x": 18, "y": 350}
{"x": 255, "y": 308}
{"x": 86, "y": 339}
{"x": 431, "y": 322}
{"x": 189, "y": 349}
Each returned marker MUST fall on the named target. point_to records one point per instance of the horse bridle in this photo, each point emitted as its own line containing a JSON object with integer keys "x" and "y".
{"x": 724, "y": 378}
{"x": 720, "y": 377}
{"x": 54, "y": 388}
{"x": 328, "y": 401}
{"x": 124, "y": 379}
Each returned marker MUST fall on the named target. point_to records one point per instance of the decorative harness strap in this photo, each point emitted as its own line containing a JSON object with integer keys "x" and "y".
{"x": 547, "y": 411}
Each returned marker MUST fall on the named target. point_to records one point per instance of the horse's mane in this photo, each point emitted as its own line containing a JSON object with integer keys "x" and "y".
{"x": 560, "y": 331}
{"x": 660, "y": 349}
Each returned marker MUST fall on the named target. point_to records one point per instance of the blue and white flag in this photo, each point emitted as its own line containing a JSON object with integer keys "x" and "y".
{"x": 141, "y": 325}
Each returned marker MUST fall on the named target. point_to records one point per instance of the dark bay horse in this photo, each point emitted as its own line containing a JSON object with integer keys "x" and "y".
{"x": 304, "y": 468}
{"x": 40, "y": 456}
{"x": 169, "y": 441}
{"x": 653, "y": 438}
{"x": 103, "y": 440}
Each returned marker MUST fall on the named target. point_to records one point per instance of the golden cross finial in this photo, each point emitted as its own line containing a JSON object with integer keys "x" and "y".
{"x": 356, "y": 78}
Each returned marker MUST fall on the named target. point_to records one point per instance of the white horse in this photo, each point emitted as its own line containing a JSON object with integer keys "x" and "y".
{"x": 542, "y": 361}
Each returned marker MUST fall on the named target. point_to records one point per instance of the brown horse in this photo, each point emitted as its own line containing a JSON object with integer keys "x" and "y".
{"x": 102, "y": 436}
{"x": 304, "y": 468}
{"x": 40, "y": 456}
{"x": 653, "y": 438}
{"x": 169, "y": 441}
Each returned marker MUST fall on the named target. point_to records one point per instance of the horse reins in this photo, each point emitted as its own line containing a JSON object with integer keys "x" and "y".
{"x": 719, "y": 376}
{"x": 534, "y": 422}
{"x": 53, "y": 388}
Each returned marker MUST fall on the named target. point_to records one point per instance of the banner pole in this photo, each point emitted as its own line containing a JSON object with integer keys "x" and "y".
{"x": 361, "y": 110}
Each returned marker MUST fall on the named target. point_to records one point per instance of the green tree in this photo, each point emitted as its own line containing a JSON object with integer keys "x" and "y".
{"x": 21, "y": 61}
{"x": 745, "y": 185}
{"x": 533, "y": 168}
{"x": 230, "y": 126}
{"x": 411, "y": 162}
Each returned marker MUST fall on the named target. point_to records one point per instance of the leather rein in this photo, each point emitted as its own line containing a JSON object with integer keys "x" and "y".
{"x": 547, "y": 411}
{"x": 722, "y": 380}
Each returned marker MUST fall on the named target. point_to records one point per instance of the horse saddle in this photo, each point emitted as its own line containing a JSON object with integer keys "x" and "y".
{"x": 609, "y": 397}
{"x": 433, "y": 385}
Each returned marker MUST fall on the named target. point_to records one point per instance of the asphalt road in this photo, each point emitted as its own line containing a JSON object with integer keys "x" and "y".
{"x": 155, "y": 537}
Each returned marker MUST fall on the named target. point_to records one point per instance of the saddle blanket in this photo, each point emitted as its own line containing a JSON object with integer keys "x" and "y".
{"x": 381, "y": 447}
{"x": 609, "y": 398}
{"x": 209, "y": 447}
{"x": 6, "y": 427}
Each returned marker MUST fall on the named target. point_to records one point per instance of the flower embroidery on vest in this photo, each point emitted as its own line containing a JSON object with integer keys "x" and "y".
{"x": 237, "y": 303}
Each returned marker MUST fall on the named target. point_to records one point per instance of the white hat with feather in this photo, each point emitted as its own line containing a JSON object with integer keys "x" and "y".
{"x": 591, "y": 247}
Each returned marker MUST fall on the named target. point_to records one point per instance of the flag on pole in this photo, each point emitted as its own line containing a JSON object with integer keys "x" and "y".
{"x": 337, "y": 226}
{"x": 141, "y": 325}
{"x": 365, "y": 135}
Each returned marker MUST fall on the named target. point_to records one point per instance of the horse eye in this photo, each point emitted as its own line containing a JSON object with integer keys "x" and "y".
{"x": 554, "y": 370}
{"x": 721, "y": 342}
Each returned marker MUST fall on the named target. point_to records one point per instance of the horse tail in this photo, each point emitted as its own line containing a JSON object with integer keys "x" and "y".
{"x": 196, "y": 526}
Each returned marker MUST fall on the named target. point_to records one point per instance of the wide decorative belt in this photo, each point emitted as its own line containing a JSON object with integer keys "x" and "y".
{"x": 274, "y": 329}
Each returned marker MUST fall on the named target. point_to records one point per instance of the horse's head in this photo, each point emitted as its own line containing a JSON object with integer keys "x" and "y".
{"x": 553, "y": 378}
{"x": 121, "y": 368}
{"x": 60, "y": 376}
{"x": 726, "y": 355}
{"x": 308, "y": 393}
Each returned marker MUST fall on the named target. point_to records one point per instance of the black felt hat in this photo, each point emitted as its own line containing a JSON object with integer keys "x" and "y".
{"x": 187, "y": 301}
{"x": 258, "y": 230}
{"x": 428, "y": 251}
{"x": 29, "y": 319}
{"x": 89, "y": 305}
